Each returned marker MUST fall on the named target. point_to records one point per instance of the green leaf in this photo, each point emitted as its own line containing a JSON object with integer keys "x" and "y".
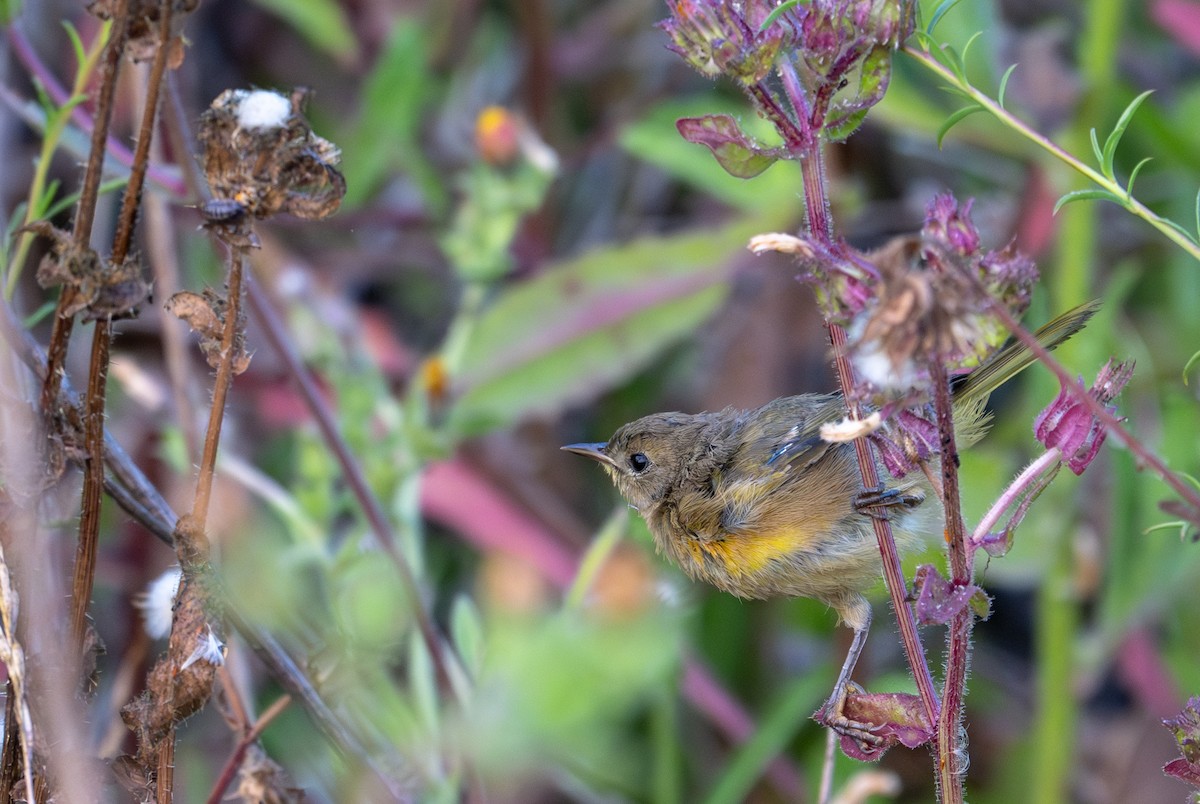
{"x": 786, "y": 715}
{"x": 422, "y": 682}
{"x": 1133, "y": 177}
{"x": 780, "y": 9}
{"x": 938, "y": 13}
{"x": 1114, "y": 139}
{"x": 736, "y": 152}
{"x": 76, "y": 44}
{"x": 597, "y": 553}
{"x": 1187, "y": 367}
{"x": 386, "y": 136}
{"x": 110, "y": 186}
{"x": 966, "y": 48}
{"x": 589, "y": 324}
{"x": 1004, "y": 85}
{"x": 655, "y": 139}
{"x": 955, "y": 64}
{"x": 1197, "y": 235}
{"x": 1177, "y": 227}
{"x": 466, "y": 628}
{"x": 1087, "y": 195}
{"x": 1096, "y": 149}
{"x": 47, "y": 308}
{"x": 321, "y": 22}
{"x": 954, "y": 120}
{"x": 875, "y": 74}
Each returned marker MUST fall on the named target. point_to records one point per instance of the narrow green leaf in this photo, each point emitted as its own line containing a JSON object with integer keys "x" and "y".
{"x": 110, "y": 186}
{"x": 955, "y": 64}
{"x": 77, "y": 45}
{"x": 36, "y": 317}
{"x": 786, "y": 715}
{"x": 1133, "y": 174}
{"x": 1197, "y": 216}
{"x": 1114, "y": 139}
{"x": 1177, "y": 227}
{"x": 1004, "y": 85}
{"x": 42, "y": 208}
{"x": 466, "y": 628}
{"x": 422, "y": 683}
{"x": 925, "y": 41}
{"x": 780, "y": 9}
{"x": 967, "y": 47}
{"x": 597, "y": 553}
{"x": 1088, "y": 195}
{"x": 1187, "y": 367}
{"x": 938, "y": 13}
{"x": 954, "y": 119}
{"x": 1097, "y": 151}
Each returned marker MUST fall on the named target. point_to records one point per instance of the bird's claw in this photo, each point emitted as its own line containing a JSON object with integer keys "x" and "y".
{"x": 878, "y": 502}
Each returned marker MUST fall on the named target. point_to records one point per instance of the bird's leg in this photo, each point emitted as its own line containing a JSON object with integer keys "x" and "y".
{"x": 878, "y": 502}
{"x": 833, "y": 712}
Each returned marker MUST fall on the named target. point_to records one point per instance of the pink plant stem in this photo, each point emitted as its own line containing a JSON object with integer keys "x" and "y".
{"x": 1020, "y": 484}
{"x": 951, "y": 738}
{"x": 1111, "y": 423}
{"x": 821, "y": 228}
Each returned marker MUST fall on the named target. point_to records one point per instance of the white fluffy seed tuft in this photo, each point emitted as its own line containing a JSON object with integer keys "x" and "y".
{"x": 158, "y": 602}
{"x": 261, "y": 108}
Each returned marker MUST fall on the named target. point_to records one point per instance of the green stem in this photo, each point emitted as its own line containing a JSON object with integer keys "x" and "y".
{"x": 1058, "y": 612}
{"x": 1135, "y": 207}
{"x": 56, "y": 124}
{"x": 1058, "y": 619}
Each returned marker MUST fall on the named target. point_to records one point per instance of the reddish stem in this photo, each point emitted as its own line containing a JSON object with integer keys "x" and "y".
{"x": 239, "y": 752}
{"x": 1111, "y": 423}
{"x": 950, "y": 735}
{"x": 821, "y": 228}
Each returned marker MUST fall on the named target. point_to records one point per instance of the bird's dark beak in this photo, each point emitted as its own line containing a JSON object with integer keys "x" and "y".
{"x": 594, "y": 451}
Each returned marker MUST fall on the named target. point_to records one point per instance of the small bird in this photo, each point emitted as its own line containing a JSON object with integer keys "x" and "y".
{"x": 759, "y": 505}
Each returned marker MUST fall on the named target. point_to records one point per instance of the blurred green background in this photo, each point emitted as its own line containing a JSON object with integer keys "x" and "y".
{"x": 466, "y": 316}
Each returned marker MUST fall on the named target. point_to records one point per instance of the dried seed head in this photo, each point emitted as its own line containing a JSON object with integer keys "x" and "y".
{"x": 261, "y": 157}
{"x": 934, "y": 301}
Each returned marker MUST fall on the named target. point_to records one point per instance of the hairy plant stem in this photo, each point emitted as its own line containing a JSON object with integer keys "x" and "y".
{"x": 93, "y": 482}
{"x": 820, "y": 225}
{"x": 224, "y": 378}
{"x": 1111, "y": 423}
{"x": 84, "y": 571}
{"x": 85, "y": 215}
{"x": 93, "y": 478}
{"x": 251, "y": 735}
{"x": 951, "y": 738}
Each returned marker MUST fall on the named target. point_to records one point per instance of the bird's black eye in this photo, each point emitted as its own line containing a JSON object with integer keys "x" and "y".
{"x": 638, "y": 462}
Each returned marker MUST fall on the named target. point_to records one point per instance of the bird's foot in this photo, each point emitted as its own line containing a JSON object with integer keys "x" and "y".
{"x": 879, "y": 502}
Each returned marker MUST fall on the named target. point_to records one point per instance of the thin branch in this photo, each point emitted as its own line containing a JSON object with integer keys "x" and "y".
{"x": 60, "y": 335}
{"x": 239, "y": 752}
{"x": 1111, "y": 423}
{"x": 212, "y": 436}
{"x": 930, "y": 62}
{"x": 950, "y": 736}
